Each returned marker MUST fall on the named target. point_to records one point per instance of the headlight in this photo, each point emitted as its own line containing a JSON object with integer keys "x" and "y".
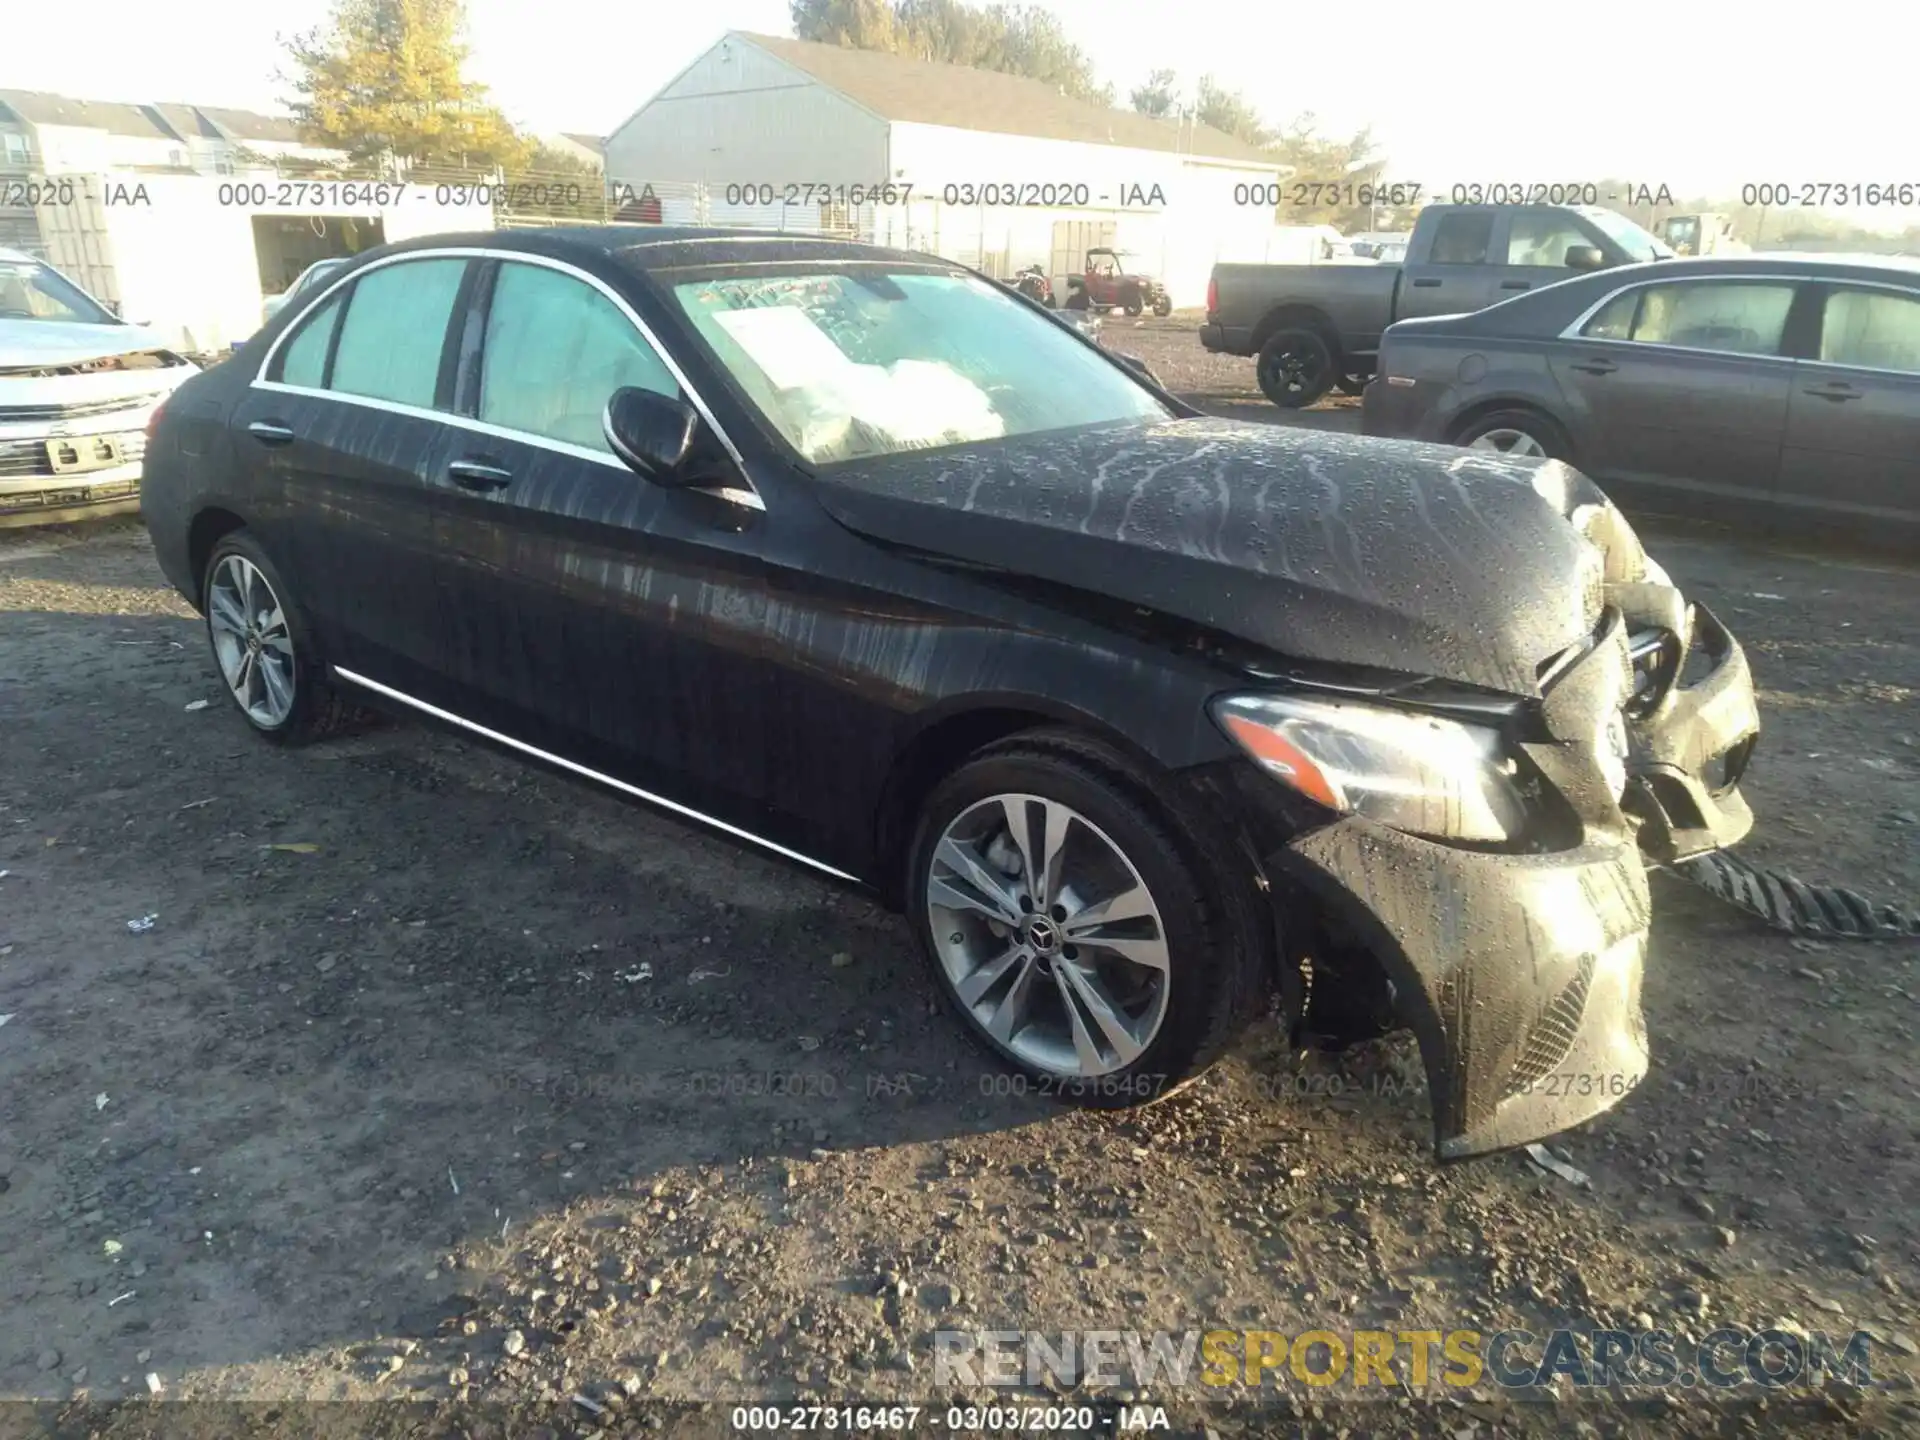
{"x": 1419, "y": 773}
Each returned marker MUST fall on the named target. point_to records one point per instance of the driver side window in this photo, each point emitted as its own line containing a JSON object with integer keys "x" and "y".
{"x": 555, "y": 350}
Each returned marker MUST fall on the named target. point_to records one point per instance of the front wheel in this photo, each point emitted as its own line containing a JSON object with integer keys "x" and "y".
{"x": 1295, "y": 368}
{"x": 1133, "y": 306}
{"x": 1073, "y": 926}
{"x": 263, "y": 647}
{"x": 1522, "y": 434}
{"x": 1163, "y": 307}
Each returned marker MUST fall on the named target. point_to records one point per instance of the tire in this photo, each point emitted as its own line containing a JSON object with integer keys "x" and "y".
{"x": 1133, "y": 306}
{"x": 1295, "y": 368}
{"x": 1124, "y": 834}
{"x": 1052, "y": 304}
{"x": 1163, "y": 307}
{"x": 1519, "y": 433}
{"x": 298, "y": 708}
{"x": 1352, "y": 384}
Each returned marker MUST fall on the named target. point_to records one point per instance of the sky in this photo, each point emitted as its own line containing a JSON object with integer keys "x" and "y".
{"x": 1701, "y": 96}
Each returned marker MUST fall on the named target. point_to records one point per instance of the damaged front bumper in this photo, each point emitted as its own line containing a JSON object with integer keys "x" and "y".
{"x": 1518, "y": 974}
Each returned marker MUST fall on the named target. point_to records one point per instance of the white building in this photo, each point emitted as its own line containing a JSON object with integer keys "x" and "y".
{"x": 757, "y": 120}
{"x": 52, "y": 134}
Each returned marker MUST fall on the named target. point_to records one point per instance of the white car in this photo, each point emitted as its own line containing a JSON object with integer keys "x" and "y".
{"x": 309, "y": 277}
{"x": 77, "y": 388}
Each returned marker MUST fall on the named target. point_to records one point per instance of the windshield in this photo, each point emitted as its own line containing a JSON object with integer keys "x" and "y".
{"x": 32, "y": 291}
{"x": 869, "y": 362}
{"x": 1638, "y": 244}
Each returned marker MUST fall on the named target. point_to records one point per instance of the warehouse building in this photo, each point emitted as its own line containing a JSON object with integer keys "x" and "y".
{"x": 762, "y": 130}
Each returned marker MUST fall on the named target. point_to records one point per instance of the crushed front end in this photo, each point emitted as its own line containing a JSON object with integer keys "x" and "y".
{"x": 1483, "y": 880}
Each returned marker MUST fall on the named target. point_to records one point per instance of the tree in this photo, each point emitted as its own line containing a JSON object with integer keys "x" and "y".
{"x": 382, "y": 80}
{"x": 850, "y": 24}
{"x": 1159, "y": 97}
{"x": 1229, "y": 112}
{"x": 1345, "y": 172}
{"x": 1013, "y": 39}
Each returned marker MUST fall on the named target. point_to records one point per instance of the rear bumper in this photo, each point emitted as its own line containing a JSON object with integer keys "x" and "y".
{"x": 1519, "y": 974}
{"x": 1226, "y": 340}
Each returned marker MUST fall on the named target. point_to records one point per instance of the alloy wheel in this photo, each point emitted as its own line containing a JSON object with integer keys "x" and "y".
{"x": 1048, "y": 935}
{"x": 1508, "y": 441}
{"x": 251, "y": 641}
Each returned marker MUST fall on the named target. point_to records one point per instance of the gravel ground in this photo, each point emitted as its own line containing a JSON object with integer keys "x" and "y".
{"x": 441, "y": 1078}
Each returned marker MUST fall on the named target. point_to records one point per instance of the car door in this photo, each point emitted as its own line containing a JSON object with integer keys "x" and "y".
{"x": 1535, "y": 250}
{"x": 346, "y": 423}
{"x": 1852, "y": 449}
{"x": 590, "y": 612}
{"x": 1458, "y": 272}
{"x": 1677, "y": 392}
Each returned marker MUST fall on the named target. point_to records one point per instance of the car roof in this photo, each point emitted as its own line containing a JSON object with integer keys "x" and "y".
{"x": 666, "y": 247}
{"x": 1793, "y": 264}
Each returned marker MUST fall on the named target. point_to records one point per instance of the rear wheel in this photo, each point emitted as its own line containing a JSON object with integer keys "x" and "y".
{"x": 1522, "y": 434}
{"x": 263, "y": 647}
{"x": 1073, "y": 924}
{"x": 1295, "y": 368}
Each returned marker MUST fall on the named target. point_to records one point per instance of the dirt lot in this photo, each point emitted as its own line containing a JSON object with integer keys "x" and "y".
{"x": 434, "y": 1076}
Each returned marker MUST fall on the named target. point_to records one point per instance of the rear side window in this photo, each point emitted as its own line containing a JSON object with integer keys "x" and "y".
{"x": 556, "y": 349}
{"x": 1876, "y": 329}
{"x": 303, "y": 359}
{"x": 395, "y": 331}
{"x": 1740, "y": 319}
{"x": 1462, "y": 238}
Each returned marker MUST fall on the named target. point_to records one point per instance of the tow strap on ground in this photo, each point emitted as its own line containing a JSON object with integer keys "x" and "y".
{"x": 1825, "y": 912}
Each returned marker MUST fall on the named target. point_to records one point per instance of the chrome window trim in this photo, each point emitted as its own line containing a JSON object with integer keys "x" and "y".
{"x": 747, "y": 497}
{"x": 1572, "y": 331}
{"x": 563, "y": 763}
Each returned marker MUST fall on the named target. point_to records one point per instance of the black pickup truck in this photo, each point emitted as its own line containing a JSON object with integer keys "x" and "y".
{"x": 1317, "y": 326}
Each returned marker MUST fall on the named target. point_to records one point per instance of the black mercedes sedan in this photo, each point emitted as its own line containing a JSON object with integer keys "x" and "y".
{"x": 1773, "y": 392}
{"x": 1142, "y": 719}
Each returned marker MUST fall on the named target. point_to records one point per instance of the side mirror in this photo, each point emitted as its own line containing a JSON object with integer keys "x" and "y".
{"x": 112, "y": 307}
{"x": 1586, "y": 257}
{"x": 652, "y": 433}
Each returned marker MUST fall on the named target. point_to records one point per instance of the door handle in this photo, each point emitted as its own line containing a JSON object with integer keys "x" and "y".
{"x": 1595, "y": 367}
{"x": 1516, "y": 284}
{"x": 270, "y": 432}
{"x": 1834, "y": 390}
{"x": 1426, "y": 284}
{"x": 478, "y": 475}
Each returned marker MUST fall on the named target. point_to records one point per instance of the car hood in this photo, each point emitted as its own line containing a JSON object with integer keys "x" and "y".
{"x": 48, "y": 344}
{"x": 1423, "y": 559}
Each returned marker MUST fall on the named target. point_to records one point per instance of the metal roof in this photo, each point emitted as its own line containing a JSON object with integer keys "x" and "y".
{"x": 897, "y": 87}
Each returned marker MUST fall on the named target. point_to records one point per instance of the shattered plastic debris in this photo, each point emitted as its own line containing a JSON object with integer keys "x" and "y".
{"x": 697, "y": 976}
{"x": 198, "y": 704}
{"x": 143, "y": 924}
{"x": 642, "y": 971}
{"x": 8, "y": 1016}
{"x": 100, "y": 1101}
{"x": 1553, "y": 1165}
{"x": 295, "y": 847}
{"x": 153, "y": 1382}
